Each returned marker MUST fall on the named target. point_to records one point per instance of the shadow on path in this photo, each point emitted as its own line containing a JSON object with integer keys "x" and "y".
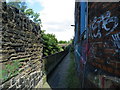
{"x": 58, "y": 77}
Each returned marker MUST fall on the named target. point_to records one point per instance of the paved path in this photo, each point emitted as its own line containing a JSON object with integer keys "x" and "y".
{"x": 58, "y": 78}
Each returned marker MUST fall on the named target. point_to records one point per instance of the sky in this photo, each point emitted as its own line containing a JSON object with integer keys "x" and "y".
{"x": 57, "y": 16}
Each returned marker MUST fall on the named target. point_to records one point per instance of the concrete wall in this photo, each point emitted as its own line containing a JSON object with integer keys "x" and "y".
{"x": 50, "y": 62}
{"x": 21, "y": 50}
{"x": 98, "y": 52}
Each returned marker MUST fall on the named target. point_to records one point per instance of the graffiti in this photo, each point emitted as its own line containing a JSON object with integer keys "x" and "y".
{"x": 100, "y": 23}
{"x": 116, "y": 39}
{"x": 99, "y": 53}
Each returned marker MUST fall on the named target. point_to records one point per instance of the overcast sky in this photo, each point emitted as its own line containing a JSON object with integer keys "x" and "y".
{"x": 56, "y": 16}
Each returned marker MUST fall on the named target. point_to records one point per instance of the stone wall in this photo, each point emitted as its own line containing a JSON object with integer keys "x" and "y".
{"x": 21, "y": 50}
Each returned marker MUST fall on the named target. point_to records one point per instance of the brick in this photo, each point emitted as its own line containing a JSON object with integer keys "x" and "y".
{"x": 19, "y": 87}
{"x": 25, "y": 88}
{"x": 13, "y": 81}
{"x": 1, "y": 87}
{"x": 6, "y": 84}
{"x": 21, "y": 80}
{"x": 12, "y": 87}
{"x": 33, "y": 75}
{"x": 17, "y": 84}
{"x": 23, "y": 85}
{"x": 4, "y": 7}
{"x": 26, "y": 81}
{"x": 32, "y": 81}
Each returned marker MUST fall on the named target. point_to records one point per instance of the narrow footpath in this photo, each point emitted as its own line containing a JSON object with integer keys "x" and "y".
{"x": 58, "y": 77}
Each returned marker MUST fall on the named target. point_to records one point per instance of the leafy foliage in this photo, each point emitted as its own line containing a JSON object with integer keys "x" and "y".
{"x": 18, "y": 4}
{"x": 50, "y": 44}
{"x": 65, "y": 42}
{"x": 62, "y": 42}
{"x": 34, "y": 16}
{"x": 70, "y": 41}
{"x": 27, "y": 11}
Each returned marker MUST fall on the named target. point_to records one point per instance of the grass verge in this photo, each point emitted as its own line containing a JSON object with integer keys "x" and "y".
{"x": 72, "y": 77}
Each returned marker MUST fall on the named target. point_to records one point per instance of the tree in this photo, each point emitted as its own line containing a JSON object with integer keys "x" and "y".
{"x": 22, "y": 6}
{"x": 62, "y": 42}
{"x": 70, "y": 41}
{"x": 50, "y": 44}
{"x": 18, "y": 4}
{"x": 34, "y": 16}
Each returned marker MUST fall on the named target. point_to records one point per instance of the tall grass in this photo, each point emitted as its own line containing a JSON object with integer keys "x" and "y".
{"x": 72, "y": 77}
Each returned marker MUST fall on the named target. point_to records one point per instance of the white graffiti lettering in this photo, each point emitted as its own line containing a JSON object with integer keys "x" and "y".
{"x": 100, "y": 23}
{"x": 116, "y": 39}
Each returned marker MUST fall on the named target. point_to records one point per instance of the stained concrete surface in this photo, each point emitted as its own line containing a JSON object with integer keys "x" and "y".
{"x": 58, "y": 77}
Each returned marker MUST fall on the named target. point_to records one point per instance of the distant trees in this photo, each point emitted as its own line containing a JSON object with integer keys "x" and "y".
{"x": 70, "y": 41}
{"x": 62, "y": 42}
{"x": 65, "y": 42}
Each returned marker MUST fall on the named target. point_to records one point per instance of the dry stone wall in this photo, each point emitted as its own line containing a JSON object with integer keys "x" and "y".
{"x": 20, "y": 50}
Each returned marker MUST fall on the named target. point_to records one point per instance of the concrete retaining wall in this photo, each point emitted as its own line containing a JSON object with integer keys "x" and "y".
{"x": 50, "y": 62}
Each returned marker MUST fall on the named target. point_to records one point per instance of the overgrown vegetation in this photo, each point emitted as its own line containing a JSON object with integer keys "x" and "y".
{"x": 72, "y": 77}
{"x": 50, "y": 44}
{"x": 9, "y": 70}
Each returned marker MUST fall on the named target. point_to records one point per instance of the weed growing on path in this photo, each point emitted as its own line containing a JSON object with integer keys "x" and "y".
{"x": 72, "y": 77}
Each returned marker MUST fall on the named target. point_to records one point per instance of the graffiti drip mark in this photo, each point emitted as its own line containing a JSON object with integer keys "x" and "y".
{"x": 116, "y": 40}
{"x": 101, "y": 22}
